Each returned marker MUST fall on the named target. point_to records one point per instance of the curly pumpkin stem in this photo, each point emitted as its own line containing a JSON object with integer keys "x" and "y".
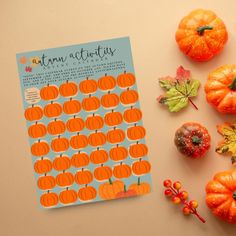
{"x": 233, "y": 85}
{"x": 202, "y": 29}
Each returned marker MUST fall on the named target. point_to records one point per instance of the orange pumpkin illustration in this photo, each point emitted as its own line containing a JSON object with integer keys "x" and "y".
{"x": 78, "y": 141}
{"x": 68, "y": 196}
{"x": 115, "y": 136}
{"x": 90, "y": 103}
{"x": 75, "y": 124}
{"x": 61, "y": 163}
{"x": 88, "y": 86}
{"x": 113, "y": 118}
{"x": 102, "y": 173}
{"x": 52, "y": 110}
{"x": 118, "y": 153}
{"x": 97, "y": 139}
{"x": 126, "y": 193}
{"x": 87, "y": 193}
{"x": 94, "y": 122}
{"x": 141, "y": 167}
{"x": 129, "y": 97}
{"x": 138, "y": 150}
{"x": 99, "y": 156}
{"x": 59, "y": 144}
{"x": 136, "y": 132}
{"x": 83, "y": 177}
{"x": 106, "y": 82}
{"x": 33, "y": 113}
{"x": 46, "y": 182}
{"x": 49, "y": 92}
{"x": 23, "y": 60}
{"x": 126, "y": 80}
{"x": 65, "y": 179}
{"x": 140, "y": 188}
{"x": 43, "y": 166}
{"x": 56, "y": 127}
{"x": 37, "y": 130}
{"x": 71, "y": 107}
{"x": 49, "y": 199}
{"x": 80, "y": 159}
{"x": 68, "y": 89}
{"x": 41, "y": 148}
{"x": 110, "y": 100}
{"x": 132, "y": 115}
{"x": 122, "y": 171}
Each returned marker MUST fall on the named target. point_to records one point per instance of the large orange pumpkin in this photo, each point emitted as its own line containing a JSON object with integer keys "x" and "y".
{"x": 113, "y": 118}
{"x": 94, "y": 122}
{"x": 90, "y": 103}
{"x": 60, "y": 144}
{"x": 80, "y": 159}
{"x": 102, "y": 173}
{"x": 110, "y": 100}
{"x": 49, "y": 199}
{"x": 65, "y": 179}
{"x": 221, "y": 195}
{"x": 201, "y": 35}
{"x": 129, "y": 97}
{"x": 42, "y": 166}
{"x": 56, "y": 127}
{"x": 141, "y": 167}
{"x": 68, "y": 196}
{"x": 78, "y": 141}
{"x": 52, "y": 110}
{"x": 61, "y": 163}
{"x": 220, "y": 89}
{"x": 40, "y": 148}
{"x": 37, "y": 130}
{"x": 68, "y": 89}
{"x": 33, "y": 113}
{"x": 88, "y": 86}
{"x": 115, "y": 136}
{"x": 97, "y": 139}
{"x": 132, "y": 115}
{"x": 75, "y": 124}
{"x": 99, "y": 156}
{"x": 71, "y": 107}
{"x": 49, "y": 92}
{"x": 46, "y": 182}
{"x": 136, "y": 132}
{"x": 126, "y": 80}
{"x": 87, "y": 193}
{"x": 138, "y": 150}
{"x": 140, "y": 188}
{"x": 83, "y": 177}
{"x": 107, "y": 82}
{"x": 122, "y": 171}
{"x": 118, "y": 153}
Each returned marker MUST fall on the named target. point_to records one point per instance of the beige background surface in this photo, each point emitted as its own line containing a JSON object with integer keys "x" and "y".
{"x": 29, "y": 25}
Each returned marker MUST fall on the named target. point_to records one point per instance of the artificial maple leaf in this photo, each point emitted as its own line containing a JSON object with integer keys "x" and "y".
{"x": 179, "y": 90}
{"x": 228, "y": 144}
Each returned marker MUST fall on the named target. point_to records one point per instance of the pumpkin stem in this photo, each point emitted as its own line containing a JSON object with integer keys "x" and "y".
{"x": 110, "y": 181}
{"x": 105, "y": 74}
{"x": 234, "y": 195}
{"x": 196, "y": 140}
{"x": 202, "y": 29}
{"x": 139, "y": 181}
{"x": 125, "y": 190}
{"x": 233, "y": 85}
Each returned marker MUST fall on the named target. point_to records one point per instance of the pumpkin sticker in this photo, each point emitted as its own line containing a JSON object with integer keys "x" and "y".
{"x": 84, "y": 124}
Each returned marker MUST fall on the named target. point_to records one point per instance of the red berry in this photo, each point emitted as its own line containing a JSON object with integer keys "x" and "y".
{"x": 176, "y": 200}
{"x": 167, "y": 183}
{"x": 193, "y": 204}
{"x": 168, "y": 193}
{"x": 186, "y": 211}
{"x": 177, "y": 185}
{"x": 183, "y": 195}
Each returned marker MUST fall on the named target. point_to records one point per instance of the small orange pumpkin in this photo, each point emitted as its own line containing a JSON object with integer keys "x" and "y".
{"x": 61, "y": 163}
{"x": 221, "y": 195}
{"x": 68, "y": 196}
{"x": 78, "y": 141}
{"x": 56, "y": 127}
{"x": 110, "y": 189}
{"x": 102, "y": 173}
{"x": 83, "y": 177}
{"x": 80, "y": 159}
{"x": 37, "y": 130}
{"x": 46, "y": 182}
{"x": 40, "y": 148}
{"x": 129, "y": 97}
{"x": 49, "y": 199}
{"x": 75, "y": 124}
{"x": 220, "y": 89}
{"x": 132, "y": 115}
{"x": 141, "y": 167}
{"x": 136, "y": 132}
{"x": 99, "y": 156}
{"x": 65, "y": 179}
{"x": 110, "y": 100}
{"x": 115, "y": 136}
{"x": 126, "y": 80}
{"x": 87, "y": 193}
{"x": 49, "y": 92}
{"x": 97, "y": 139}
{"x": 107, "y": 82}
{"x": 122, "y": 171}
{"x": 201, "y": 35}
{"x": 71, "y": 107}
{"x": 52, "y": 110}
{"x": 140, "y": 188}
{"x": 126, "y": 193}
{"x": 60, "y": 144}
{"x": 68, "y": 89}
{"x": 118, "y": 153}
{"x": 90, "y": 103}
{"x": 94, "y": 122}
{"x": 33, "y": 113}
{"x": 138, "y": 150}
{"x": 88, "y": 86}
{"x": 43, "y": 166}
{"x": 113, "y": 118}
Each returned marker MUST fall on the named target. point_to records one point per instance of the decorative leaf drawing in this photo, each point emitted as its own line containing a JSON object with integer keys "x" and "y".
{"x": 228, "y": 144}
{"x": 179, "y": 90}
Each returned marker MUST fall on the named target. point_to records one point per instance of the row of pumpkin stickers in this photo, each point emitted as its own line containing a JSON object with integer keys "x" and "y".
{"x": 109, "y": 177}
